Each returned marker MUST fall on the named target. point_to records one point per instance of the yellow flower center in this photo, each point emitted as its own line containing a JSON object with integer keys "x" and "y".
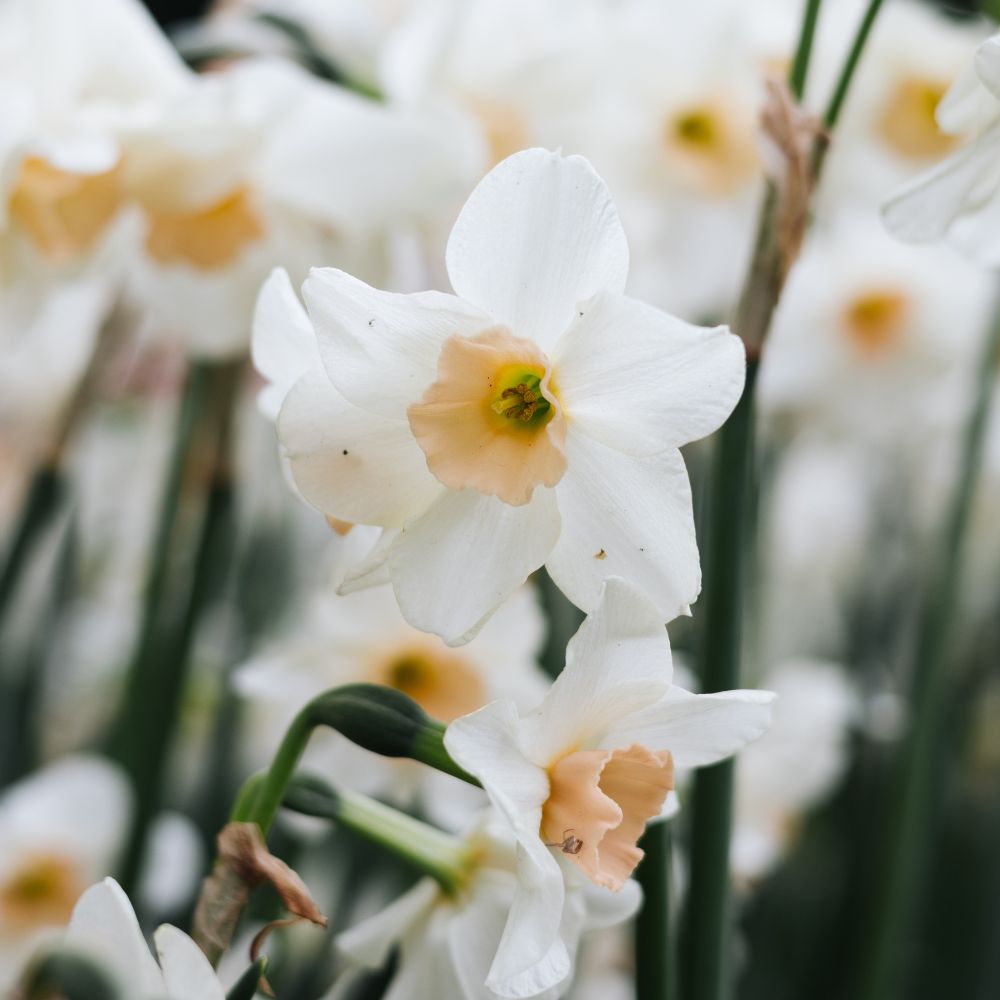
{"x": 441, "y": 682}
{"x": 41, "y": 892}
{"x": 710, "y": 147}
{"x": 491, "y": 421}
{"x": 907, "y": 122}
{"x": 63, "y": 213}
{"x": 598, "y": 806}
{"x": 875, "y": 321}
{"x": 207, "y": 238}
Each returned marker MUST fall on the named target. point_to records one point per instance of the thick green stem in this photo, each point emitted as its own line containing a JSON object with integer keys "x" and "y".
{"x": 428, "y": 850}
{"x": 654, "y": 955}
{"x": 706, "y": 974}
{"x": 177, "y": 597}
{"x": 915, "y": 792}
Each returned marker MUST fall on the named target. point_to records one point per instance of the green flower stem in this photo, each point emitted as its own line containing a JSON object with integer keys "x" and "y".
{"x": 706, "y": 974}
{"x": 377, "y": 718}
{"x": 840, "y": 91}
{"x": 177, "y": 594}
{"x": 803, "y": 51}
{"x": 429, "y": 850}
{"x": 914, "y": 793}
{"x": 45, "y": 495}
{"x": 655, "y": 970}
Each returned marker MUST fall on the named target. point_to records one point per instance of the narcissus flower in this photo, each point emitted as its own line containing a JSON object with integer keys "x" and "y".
{"x": 447, "y": 942}
{"x": 533, "y": 418}
{"x": 60, "y": 829}
{"x": 104, "y": 926}
{"x": 961, "y": 196}
{"x": 579, "y": 777}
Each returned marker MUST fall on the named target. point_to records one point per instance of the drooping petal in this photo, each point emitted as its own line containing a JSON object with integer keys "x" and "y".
{"x": 538, "y": 235}
{"x": 370, "y": 941}
{"x": 381, "y": 348}
{"x": 628, "y": 517}
{"x": 924, "y": 209}
{"x": 697, "y": 729}
{"x": 104, "y": 924}
{"x": 619, "y": 661}
{"x": 350, "y": 463}
{"x": 455, "y": 564}
{"x": 639, "y": 380}
{"x": 186, "y": 970}
{"x": 284, "y": 343}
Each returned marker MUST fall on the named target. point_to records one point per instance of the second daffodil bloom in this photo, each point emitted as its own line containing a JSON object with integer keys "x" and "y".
{"x": 533, "y": 418}
{"x": 578, "y": 778}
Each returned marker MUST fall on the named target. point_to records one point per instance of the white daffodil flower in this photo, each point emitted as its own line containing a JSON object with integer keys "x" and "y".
{"x": 60, "y": 829}
{"x": 362, "y": 638}
{"x": 960, "y": 198}
{"x": 533, "y": 418}
{"x": 578, "y": 778}
{"x": 448, "y": 942}
{"x": 104, "y": 927}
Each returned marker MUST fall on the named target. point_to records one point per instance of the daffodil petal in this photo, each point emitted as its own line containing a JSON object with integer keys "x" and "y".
{"x": 628, "y": 517}
{"x": 697, "y": 729}
{"x": 381, "y": 349}
{"x": 538, "y": 235}
{"x": 640, "y": 380}
{"x": 350, "y": 463}
{"x": 185, "y": 969}
{"x": 618, "y": 662}
{"x": 103, "y": 923}
{"x": 284, "y": 343}
{"x": 454, "y": 565}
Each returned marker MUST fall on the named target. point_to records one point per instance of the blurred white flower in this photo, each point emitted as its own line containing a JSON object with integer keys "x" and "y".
{"x": 794, "y": 764}
{"x": 104, "y": 927}
{"x": 362, "y": 638}
{"x": 447, "y": 943}
{"x": 578, "y": 778}
{"x": 959, "y": 197}
{"x": 874, "y": 339}
{"x": 889, "y": 129}
{"x": 261, "y": 164}
{"x": 535, "y": 418}
{"x": 60, "y": 829}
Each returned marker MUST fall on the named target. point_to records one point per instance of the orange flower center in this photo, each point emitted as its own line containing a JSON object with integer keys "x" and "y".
{"x": 598, "y": 806}
{"x": 908, "y": 124}
{"x": 41, "y": 892}
{"x": 492, "y": 421}
{"x": 711, "y": 147}
{"x": 441, "y": 682}
{"x": 63, "y": 213}
{"x": 206, "y": 238}
{"x": 875, "y": 321}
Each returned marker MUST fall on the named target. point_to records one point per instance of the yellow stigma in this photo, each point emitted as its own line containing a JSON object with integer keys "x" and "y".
{"x": 41, "y": 892}
{"x": 908, "y": 122}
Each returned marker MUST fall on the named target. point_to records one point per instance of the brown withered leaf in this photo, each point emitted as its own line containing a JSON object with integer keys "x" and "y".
{"x": 790, "y": 135}
{"x": 243, "y": 863}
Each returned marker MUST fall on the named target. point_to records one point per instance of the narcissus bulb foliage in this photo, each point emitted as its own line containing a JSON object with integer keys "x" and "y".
{"x": 104, "y": 927}
{"x": 578, "y": 778}
{"x": 532, "y": 418}
{"x": 960, "y": 197}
